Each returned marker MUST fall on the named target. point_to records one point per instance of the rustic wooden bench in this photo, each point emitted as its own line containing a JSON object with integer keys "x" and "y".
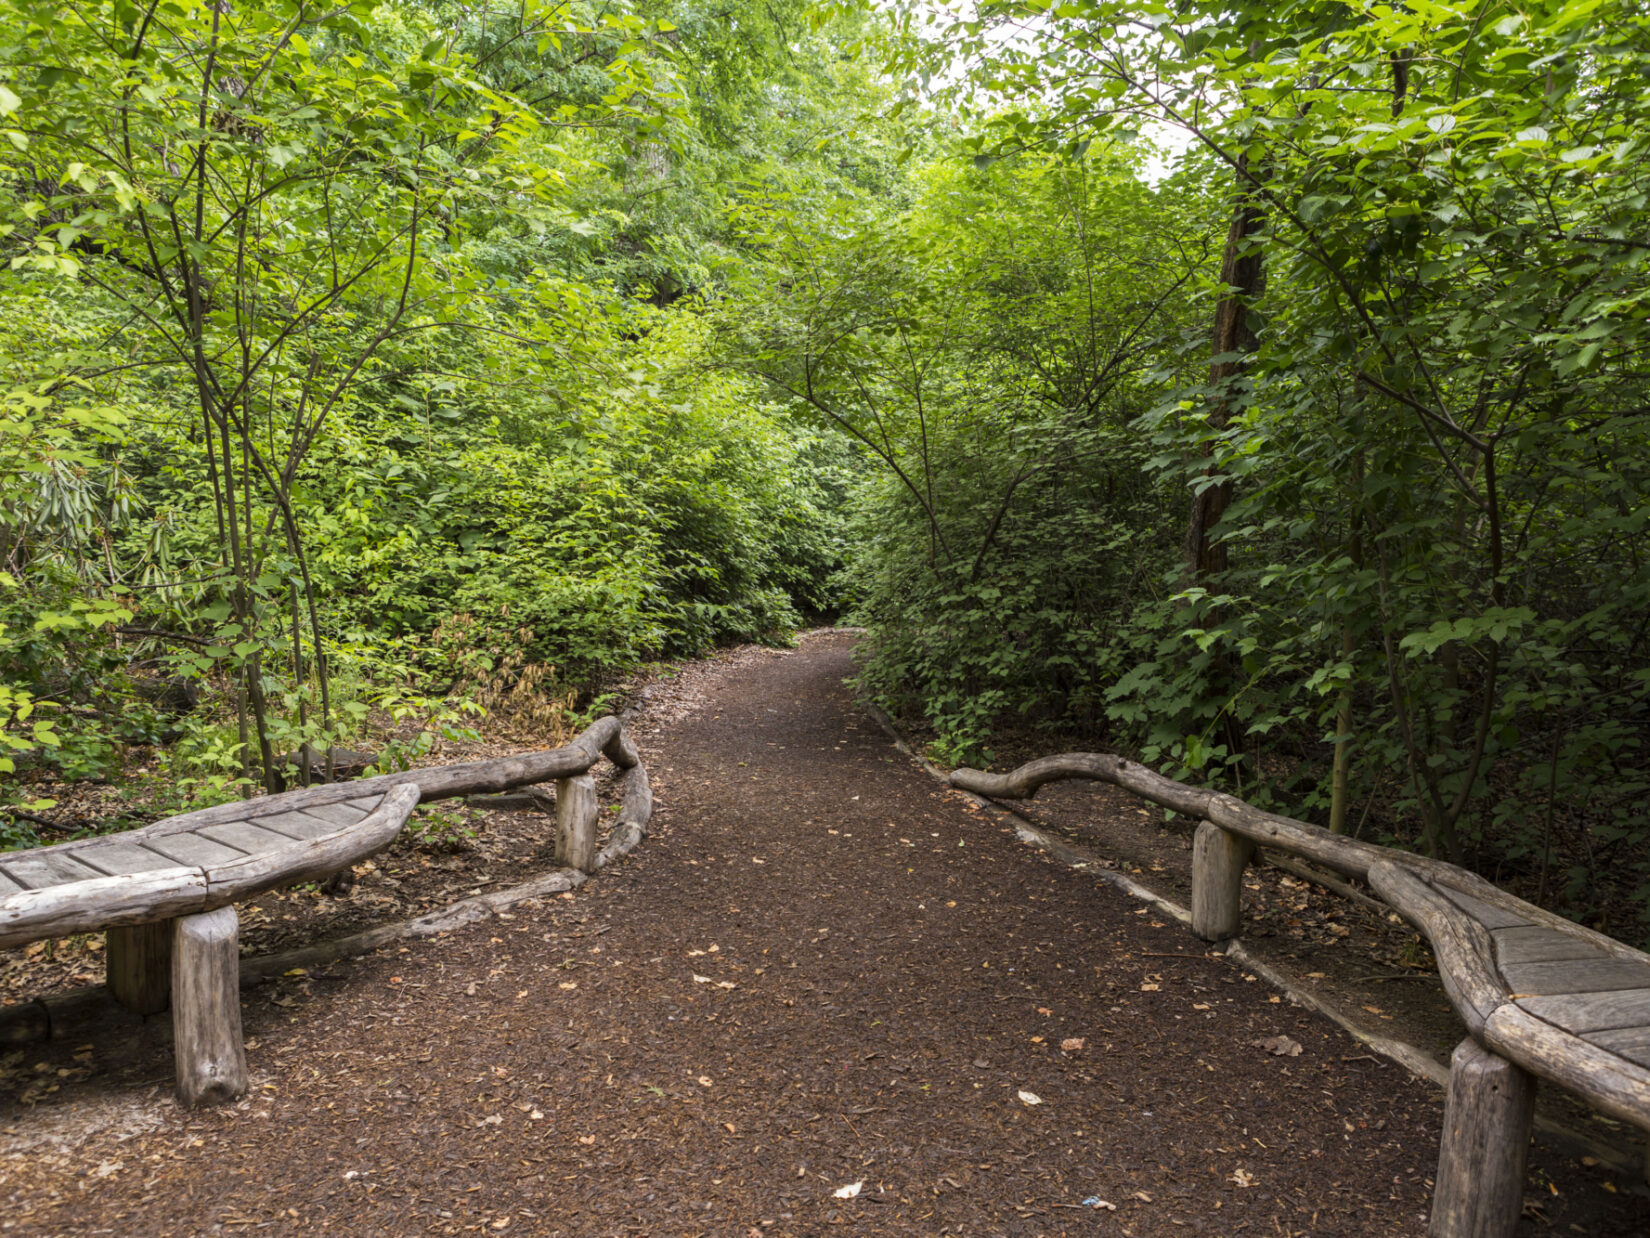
{"x": 1542, "y": 997}
{"x": 165, "y": 893}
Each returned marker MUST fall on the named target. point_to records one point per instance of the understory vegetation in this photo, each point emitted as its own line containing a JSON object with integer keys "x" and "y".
{"x": 1259, "y": 392}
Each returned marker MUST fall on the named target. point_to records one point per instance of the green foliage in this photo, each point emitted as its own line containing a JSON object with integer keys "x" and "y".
{"x": 990, "y": 347}
{"x": 1437, "y": 446}
{"x": 322, "y": 353}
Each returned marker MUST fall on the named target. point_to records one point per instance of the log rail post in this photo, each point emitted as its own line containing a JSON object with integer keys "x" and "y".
{"x": 1488, "y": 1109}
{"x": 577, "y": 811}
{"x": 1218, "y": 860}
{"x": 137, "y": 962}
{"x": 206, "y": 1007}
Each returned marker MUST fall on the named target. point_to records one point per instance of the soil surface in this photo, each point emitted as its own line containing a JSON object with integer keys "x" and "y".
{"x": 826, "y": 993}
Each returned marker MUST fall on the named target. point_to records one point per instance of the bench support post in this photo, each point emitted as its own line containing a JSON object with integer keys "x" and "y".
{"x": 206, "y": 1007}
{"x": 137, "y": 961}
{"x": 577, "y": 811}
{"x": 1479, "y": 1191}
{"x": 1218, "y": 860}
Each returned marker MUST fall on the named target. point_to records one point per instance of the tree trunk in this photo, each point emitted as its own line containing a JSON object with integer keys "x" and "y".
{"x": 1244, "y": 279}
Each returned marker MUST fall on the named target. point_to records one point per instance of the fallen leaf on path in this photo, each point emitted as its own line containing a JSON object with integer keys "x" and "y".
{"x": 852, "y": 1189}
{"x": 1072, "y": 1044}
{"x": 1031, "y": 1098}
{"x": 1279, "y": 1046}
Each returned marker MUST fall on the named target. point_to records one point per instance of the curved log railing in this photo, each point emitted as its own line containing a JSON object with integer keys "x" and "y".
{"x": 1541, "y": 996}
{"x": 165, "y": 892}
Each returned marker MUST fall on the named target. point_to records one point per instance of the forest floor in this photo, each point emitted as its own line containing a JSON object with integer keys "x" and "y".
{"x": 826, "y": 992}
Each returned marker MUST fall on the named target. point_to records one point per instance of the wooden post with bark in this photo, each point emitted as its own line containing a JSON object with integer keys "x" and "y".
{"x": 1218, "y": 860}
{"x": 1479, "y": 1192}
{"x": 577, "y": 811}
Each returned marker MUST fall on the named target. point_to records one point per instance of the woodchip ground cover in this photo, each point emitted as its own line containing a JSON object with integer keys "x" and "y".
{"x": 821, "y": 971}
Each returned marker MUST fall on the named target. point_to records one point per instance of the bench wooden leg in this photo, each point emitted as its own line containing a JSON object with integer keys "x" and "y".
{"x": 137, "y": 961}
{"x": 206, "y": 1007}
{"x": 577, "y": 811}
{"x": 1487, "y": 1114}
{"x": 1218, "y": 860}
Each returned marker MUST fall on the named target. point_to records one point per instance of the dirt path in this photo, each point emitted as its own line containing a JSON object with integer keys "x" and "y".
{"x": 822, "y": 970}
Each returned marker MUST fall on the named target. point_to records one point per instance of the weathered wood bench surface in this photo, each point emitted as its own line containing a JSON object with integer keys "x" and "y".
{"x": 1542, "y": 997}
{"x": 165, "y": 892}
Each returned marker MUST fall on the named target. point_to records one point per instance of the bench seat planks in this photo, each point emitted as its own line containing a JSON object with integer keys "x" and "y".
{"x": 165, "y": 893}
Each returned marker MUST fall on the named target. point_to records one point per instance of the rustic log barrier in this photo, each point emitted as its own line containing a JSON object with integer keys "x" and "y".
{"x": 166, "y": 893}
{"x": 1542, "y": 997}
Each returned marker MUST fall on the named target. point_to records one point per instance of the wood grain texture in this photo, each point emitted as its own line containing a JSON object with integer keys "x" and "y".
{"x": 1632, "y": 1043}
{"x": 1591, "y": 1012}
{"x": 577, "y": 811}
{"x": 636, "y": 807}
{"x": 112, "y": 856}
{"x": 436, "y": 782}
{"x": 192, "y": 849}
{"x": 206, "y": 1008}
{"x": 314, "y": 857}
{"x": 1594, "y": 975}
{"x": 198, "y": 861}
{"x": 1487, "y": 914}
{"x": 246, "y": 837}
{"x": 1611, "y": 1083}
{"x": 295, "y": 824}
{"x": 1488, "y": 1108}
{"x": 340, "y": 815}
{"x": 624, "y": 839}
{"x": 106, "y": 902}
{"x": 1535, "y": 943}
{"x": 45, "y": 868}
{"x": 137, "y": 963}
{"x": 1218, "y": 860}
{"x": 1466, "y": 960}
{"x": 1335, "y": 852}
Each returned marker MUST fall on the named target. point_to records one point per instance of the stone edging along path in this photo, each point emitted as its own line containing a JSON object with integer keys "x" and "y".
{"x": 1563, "y": 1138}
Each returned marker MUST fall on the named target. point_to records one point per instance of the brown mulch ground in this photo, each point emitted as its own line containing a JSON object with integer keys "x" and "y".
{"x": 822, "y": 970}
{"x": 448, "y": 851}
